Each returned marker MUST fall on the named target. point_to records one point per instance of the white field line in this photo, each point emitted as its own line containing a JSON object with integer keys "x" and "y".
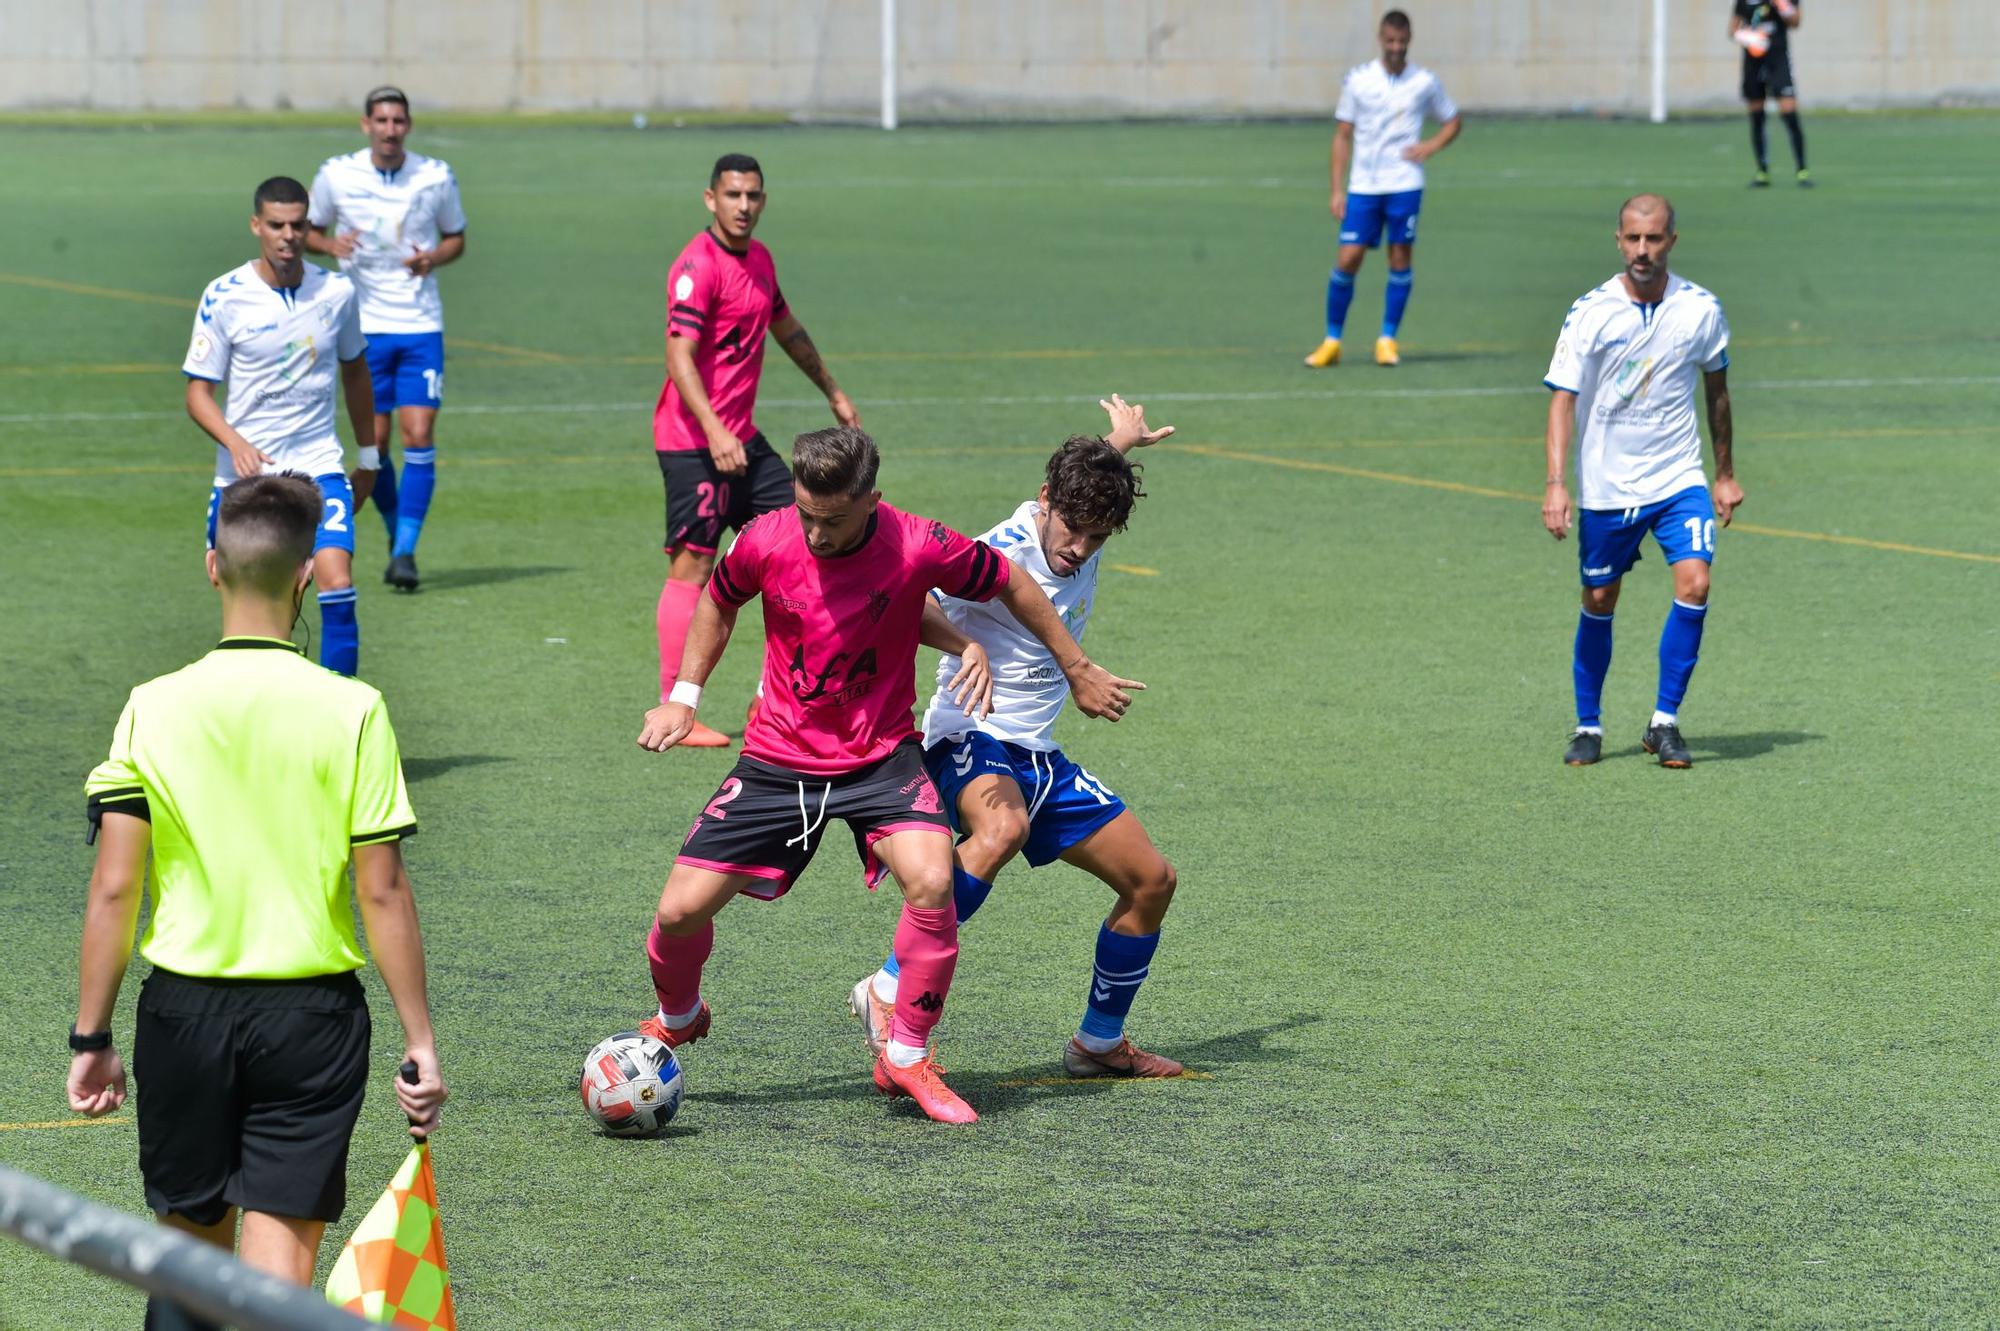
{"x": 1330, "y": 395}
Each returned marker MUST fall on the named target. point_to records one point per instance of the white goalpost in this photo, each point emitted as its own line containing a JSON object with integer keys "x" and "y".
{"x": 889, "y": 63}
{"x": 1659, "y": 60}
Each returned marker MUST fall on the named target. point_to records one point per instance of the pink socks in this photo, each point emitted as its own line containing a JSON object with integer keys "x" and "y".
{"x": 677, "y": 963}
{"x": 677, "y": 602}
{"x": 927, "y": 948}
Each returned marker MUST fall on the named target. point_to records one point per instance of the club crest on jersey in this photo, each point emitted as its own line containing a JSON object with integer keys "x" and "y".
{"x": 1634, "y": 377}
{"x": 845, "y": 678}
{"x": 878, "y": 606}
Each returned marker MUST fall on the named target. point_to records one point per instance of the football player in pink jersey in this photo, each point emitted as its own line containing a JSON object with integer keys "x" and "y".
{"x": 845, "y": 579}
{"x": 722, "y": 299}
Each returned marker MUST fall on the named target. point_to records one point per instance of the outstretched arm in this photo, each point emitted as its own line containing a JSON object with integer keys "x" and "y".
{"x": 708, "y": 633}
{"x": 1722, "y": 436}
{"x": 1097, "y": 691}
{"x": 798, "y": 344}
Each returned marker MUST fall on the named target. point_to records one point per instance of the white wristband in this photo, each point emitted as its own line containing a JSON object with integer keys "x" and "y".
{"x": 686, "y": 694}
{"x": 369, "y": 459}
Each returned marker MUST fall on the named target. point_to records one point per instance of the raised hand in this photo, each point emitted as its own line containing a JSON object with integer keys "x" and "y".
{"x": 1128, "y": 425}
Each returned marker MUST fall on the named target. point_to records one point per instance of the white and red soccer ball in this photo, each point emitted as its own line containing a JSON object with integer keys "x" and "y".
{"x": 632, "y": 1085}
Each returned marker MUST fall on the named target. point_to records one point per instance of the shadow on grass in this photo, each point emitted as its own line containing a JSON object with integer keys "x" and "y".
{"x": 423, "y": 769}
{"x": 1755, "y": 744}
{"x": 454, "y": 579}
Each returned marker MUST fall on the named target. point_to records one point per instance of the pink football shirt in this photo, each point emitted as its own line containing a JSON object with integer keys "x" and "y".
{"x": 724, "y": 303}
{"x": 840, "y": 633}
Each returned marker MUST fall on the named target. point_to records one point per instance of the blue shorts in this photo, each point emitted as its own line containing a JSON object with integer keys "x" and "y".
{"x": 408, "y": 369}
{"x": 1369, "y": 215}
{"x": 336, "y": 526}
{"x": 1607, "y": 543}
{"x": 1065, "y": 803}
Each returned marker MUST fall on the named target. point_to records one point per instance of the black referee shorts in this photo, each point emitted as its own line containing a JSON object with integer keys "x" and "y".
{"x": 248, "y": 1091}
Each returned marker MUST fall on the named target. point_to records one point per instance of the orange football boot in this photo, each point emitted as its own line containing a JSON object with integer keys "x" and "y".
{"x": 671, "y": 1037}
{"x": 1127, "y": 1060}
{"x": 923, "y": 1082}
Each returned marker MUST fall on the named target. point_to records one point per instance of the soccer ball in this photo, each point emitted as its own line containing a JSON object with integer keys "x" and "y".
{"x": 632, "y": 1084}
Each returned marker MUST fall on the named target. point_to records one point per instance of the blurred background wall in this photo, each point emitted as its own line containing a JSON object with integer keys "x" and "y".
{"x": 957, "y": 59}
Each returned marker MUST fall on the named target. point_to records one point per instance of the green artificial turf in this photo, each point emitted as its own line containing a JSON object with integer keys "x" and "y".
{"x": 1484, "y": 1041}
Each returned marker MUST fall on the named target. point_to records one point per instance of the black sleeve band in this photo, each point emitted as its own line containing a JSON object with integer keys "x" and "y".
{"x": 386, "y": 834}
{"x": 126, "y": 799}
{"x": 985, "y": 570}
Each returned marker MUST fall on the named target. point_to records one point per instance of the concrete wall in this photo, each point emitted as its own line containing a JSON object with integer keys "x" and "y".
{"x": 959, "y": 58}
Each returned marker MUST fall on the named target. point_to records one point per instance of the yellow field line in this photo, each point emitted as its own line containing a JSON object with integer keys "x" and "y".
{"x": 1455, "y": 487}
{"x": 524, "y": 353}
{"x": 1139, "y": 570}
{"x": 109, "y": 293}
{"x": 63, "y": 1123}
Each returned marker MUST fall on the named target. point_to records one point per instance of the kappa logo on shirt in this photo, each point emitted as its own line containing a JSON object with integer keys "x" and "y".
{"x": 845, "y": 678}
{"x": 941, "y": 535}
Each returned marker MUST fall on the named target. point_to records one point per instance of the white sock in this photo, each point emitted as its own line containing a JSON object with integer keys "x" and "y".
{"x": 1665, "y": 718}
{"x": 904, "y": 1056}
{"x": 885, "y": 986}
{"x": 682, "y": 1022}
{"x": 1590, "y": 730}
{"x": 1097, "y": 1044}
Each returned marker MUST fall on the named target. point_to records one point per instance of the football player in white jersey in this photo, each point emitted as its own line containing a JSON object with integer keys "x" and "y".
{"x": 1624, "y": 372}
{"x": 393, "y": 218}
{"x": 1377, "y": 177}
{"x": 273, "y": 330}
{"x": 1006, "y": 786}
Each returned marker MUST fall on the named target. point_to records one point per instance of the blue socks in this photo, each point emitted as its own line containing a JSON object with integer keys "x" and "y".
{"x": 967, "y": 893}
{"x": 1339, "y": 295}
{"x": 1398, "y": 300}
{"x": 1122, "y": 962}
{"x": 1680, "y": 647}
{"x": 339, "y": 632}
{"x": 1593, "y": 662}
{"x": 384, "y": 495}
{"x": 419, "y": 480}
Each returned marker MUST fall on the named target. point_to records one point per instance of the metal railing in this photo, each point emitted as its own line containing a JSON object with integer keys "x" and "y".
{"x": 164, "y": 1262}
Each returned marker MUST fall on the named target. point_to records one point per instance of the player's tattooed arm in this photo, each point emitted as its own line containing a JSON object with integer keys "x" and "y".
{"x": 972, "y": 687}
{"x": 798, "y": 344}
{"x": 1556, "y": 510}
{"x": 708, "y": 633}
{"x": 1128, "y": 425}
{"x": 1722, "y": 437}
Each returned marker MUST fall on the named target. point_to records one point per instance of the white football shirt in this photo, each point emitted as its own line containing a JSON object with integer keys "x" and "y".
{"x": 1633, "y": 368}
{"x": 1029, "y": 689}
{"x": 278, "y": 349}
{"x": 1387, "y": 112}
{"x": 397, "y": 213}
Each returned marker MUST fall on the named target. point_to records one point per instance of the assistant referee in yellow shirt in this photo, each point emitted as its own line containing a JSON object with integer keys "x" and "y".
{"x": 253, "y": 776}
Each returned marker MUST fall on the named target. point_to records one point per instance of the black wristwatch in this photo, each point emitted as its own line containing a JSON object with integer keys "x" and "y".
{"x": 89, "y": 1044}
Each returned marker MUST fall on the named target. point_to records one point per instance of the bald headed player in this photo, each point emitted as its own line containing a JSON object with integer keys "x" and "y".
{"x": 1624, "y": 374}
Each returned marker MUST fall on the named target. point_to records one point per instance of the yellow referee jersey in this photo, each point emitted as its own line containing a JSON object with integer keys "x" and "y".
{"x": 259, "y": 772}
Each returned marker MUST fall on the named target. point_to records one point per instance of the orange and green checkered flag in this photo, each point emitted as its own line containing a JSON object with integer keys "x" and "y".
{"x": 392, "y": 1271}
